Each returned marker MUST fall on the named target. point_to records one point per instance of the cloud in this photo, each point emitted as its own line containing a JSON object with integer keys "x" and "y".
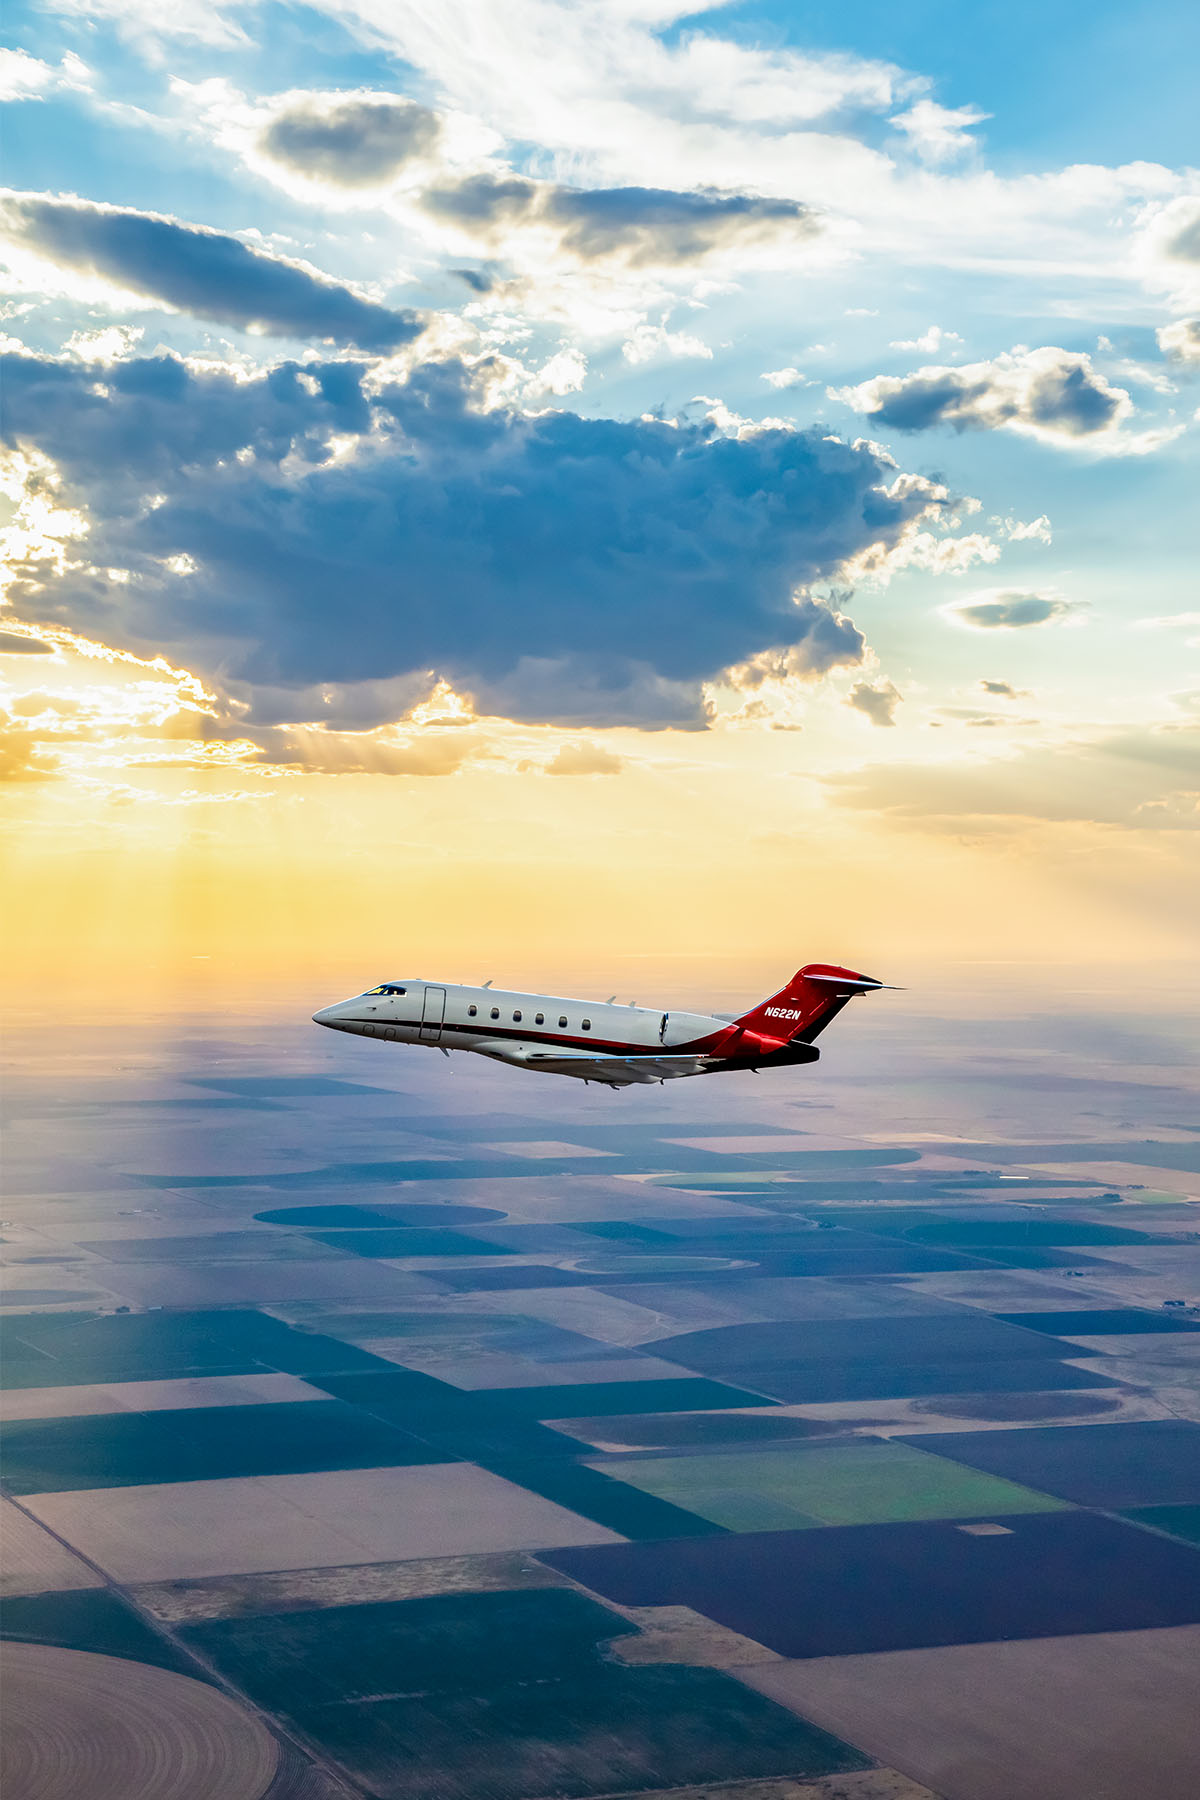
{"x": 1181, "y": 340}
{"x": 1052, "y": 394}
{"x": 14, "y": 643}
{"x": 878, "y": 703}
{"x": 1168, "y": 249}
{"x": 315, "y": 751}
{"x": 1004, "y": 690}
{"x": 785, "y": 378}
{"x": 350, "y": 140}
{"x": 994, "y": 610}
{"x": 21, "y": 756}
{"x": 640, "y": 227}
{"x": 930, "y": 341}
{"x": 202, "y": 272}
{"x": 651, "y": 343}
{"x": 939, "y": 133}
{"x": 584, "y": 759}
{"x": 25, "y": 77}
{"x": 556, "y": 567}
{"x": 1143, "y": 779}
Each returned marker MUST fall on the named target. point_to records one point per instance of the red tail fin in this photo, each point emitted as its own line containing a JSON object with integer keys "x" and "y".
{"x": 814, "y": 996}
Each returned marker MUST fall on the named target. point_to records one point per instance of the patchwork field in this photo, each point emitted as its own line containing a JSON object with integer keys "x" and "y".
{"x": 494, "y": 1454}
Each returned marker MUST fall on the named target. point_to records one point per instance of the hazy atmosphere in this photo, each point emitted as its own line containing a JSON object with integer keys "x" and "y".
{"x": 607, "y": 498}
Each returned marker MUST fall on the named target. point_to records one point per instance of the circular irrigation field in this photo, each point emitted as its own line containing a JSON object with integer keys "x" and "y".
{"x": 80, "y": 1724}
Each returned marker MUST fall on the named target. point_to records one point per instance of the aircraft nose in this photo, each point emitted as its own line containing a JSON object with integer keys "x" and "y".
{"x": 328, "y": 1015}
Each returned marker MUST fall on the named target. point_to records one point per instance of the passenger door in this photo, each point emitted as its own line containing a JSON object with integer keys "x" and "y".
{"x": 433, "y": 1012}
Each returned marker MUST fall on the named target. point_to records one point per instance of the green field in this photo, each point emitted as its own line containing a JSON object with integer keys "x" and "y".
{"x": 860, "y": 1483}
{"x": 202, "y": 1443}
{"x": 505, "y": 1695}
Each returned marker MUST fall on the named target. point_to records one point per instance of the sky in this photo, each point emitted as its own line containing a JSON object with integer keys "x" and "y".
{"x": 559, "y": 488}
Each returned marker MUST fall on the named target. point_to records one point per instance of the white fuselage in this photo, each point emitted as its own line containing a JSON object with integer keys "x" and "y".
{"x": 509, "y": 1026}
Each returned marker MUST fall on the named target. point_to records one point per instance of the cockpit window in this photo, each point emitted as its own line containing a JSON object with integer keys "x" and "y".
{"x": 387, "y": 987}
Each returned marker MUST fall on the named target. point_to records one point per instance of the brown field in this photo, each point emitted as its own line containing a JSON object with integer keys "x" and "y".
{"x": 153, "y": 1396}
{"x": 860, "y": 1784}
{"x": 175, "y": 1530}
{"x": 1114, "y": 1716}
{"x": 77, "y": 1724}
{"x": 360, "y": 1584}
{"x": 33, "y": 1562}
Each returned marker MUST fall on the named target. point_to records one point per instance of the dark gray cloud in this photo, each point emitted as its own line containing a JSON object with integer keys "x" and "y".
{"x": 1053, "y": 393}
{"x": 203, "y": 272}
{"x": 586, "y": 571}
{"x": 879, "y": 703}
{"x": 353, "y": 142}
{"x": 14, "y": 643}
{"x": 1008, "y": 612}
{"x": 640, "y": 226}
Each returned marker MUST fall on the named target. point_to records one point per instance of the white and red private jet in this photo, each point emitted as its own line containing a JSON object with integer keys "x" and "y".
{"x": 601, "y": 1041}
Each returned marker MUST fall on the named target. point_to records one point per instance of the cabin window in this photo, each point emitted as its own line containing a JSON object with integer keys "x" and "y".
{"x": 587, "y": 1024}
{"x": 517, "y": 1018}
{"x": 495, "y": 1012}
{"x": 539, "y": 1018}
{"x": 471, "y": 1011}
{"x": 562, "y": 1023}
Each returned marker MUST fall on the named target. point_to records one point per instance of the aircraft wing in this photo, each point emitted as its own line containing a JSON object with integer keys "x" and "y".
{"x": 617, "y": 1071}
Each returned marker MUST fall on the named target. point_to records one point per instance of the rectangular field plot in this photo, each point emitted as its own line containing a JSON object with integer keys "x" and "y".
{"x": 824, "y": 1382}
{"x": 865, "y": 1588}
{"x": 907, "y": 1338}
{"x": 597, "y": 1398}
{"x": 189, "y": 1530}
{"x": 154, "y": 1396}
{"x": 857, "y": 1483}
{"x": 1116, "y": 1321}
{"x": 69, "y": 1349}
{"x": 201, "y": 1444}
{"x": 1063, "y": 1718}
{"x": 1151, "y": 1462}
{"x": 33, "y": 1562}
{"x": 500, "y": 1696}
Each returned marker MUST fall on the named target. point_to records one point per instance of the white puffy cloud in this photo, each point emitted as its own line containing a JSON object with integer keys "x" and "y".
{"x": 25, "y": 77}
{"x": 1168, "y": 249}
{"x": 939, "y": 133}
{"x": 1180, "y": 340}
{"x": 654, "y": 343}
{"x": 930, "y": 342}
{"x": 1054, "y": 395}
